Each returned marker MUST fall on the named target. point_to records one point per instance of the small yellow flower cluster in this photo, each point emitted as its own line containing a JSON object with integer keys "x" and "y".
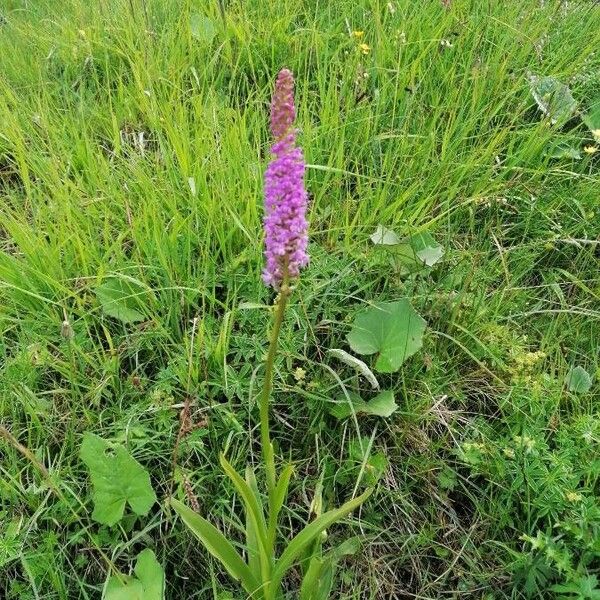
{"x": 525, "y": 442}
{"x": 299, "y": 375}
{"x": 524, "y": 364}
{"x": 496, "y": 334}
{"x": 478, "y": 446}
{"x": 359, "y": 35}
{"x": 508, "y": 452}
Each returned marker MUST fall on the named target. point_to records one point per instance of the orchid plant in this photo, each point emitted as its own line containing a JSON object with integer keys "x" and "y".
{"x": 267, "y": 559}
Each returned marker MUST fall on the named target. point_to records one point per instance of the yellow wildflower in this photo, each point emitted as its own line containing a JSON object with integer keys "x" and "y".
{"x": 358, "y": 34}
{"x": 525, "y": 442}
{"x": 590, "y": 149}
{"x": 596, "y": 134}
{"x": 364, "y": 48}
{"x": 299, "y": 374}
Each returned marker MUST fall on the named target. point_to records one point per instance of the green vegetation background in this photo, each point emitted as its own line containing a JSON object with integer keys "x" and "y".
{"x": 133, "y": 137}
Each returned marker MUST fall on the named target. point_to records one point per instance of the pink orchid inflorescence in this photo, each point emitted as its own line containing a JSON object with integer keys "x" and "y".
{"x": 286, "y": 199}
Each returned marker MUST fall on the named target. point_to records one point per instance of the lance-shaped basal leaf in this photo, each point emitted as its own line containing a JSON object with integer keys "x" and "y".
{"x": 148, "y": 583}
{"x": 117, "y": 479}
{"x": 394, "y": 330}
{"x": 319, "y": 577}
{"x": 383, "y": 405}
{"x": 579, "y": 380}
{"x": 553, "y": 98}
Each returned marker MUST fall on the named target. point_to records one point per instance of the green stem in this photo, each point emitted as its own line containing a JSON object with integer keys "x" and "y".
{"x": 267, "y": 447}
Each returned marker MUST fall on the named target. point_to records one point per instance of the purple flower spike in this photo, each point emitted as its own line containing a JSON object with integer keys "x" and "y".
{"x": 286, "y": 227}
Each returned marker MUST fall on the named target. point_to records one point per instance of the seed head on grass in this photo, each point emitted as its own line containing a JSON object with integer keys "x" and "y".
{"x": 286, "y": 200}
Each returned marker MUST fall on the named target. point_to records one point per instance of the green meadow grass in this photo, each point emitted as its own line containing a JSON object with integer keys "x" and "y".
{"x": 132, "y": 145}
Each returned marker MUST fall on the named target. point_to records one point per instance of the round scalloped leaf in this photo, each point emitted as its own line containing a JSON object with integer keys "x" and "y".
{"x": 383, "y": 405}
{"x": 394, "y": 330}
{"x": 426, "y": 248}
{"x": 384, "y": 236}
{"x": 148, "y": 583}
{"x": 579, "y": 380}
{"x": 553, "y": 98}
{"x": 592, "y": 120}
{"x": 203, "y": 29}
{"x": 122, "y": 299}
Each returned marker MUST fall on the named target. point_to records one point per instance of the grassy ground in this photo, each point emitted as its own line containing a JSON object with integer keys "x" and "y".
{"x": 132, "y": 145}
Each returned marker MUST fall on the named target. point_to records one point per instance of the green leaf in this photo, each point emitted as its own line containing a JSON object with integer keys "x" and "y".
{"x": 314, "y": 549}
{"x": 383, "y": 405}
{"x": 579, "y": 380}
{"x": 348, "y": 547}
{"x": 583, "y": 587}
{"x": 553, "y": 98}
{"x": 384, "y": 237}
{"x": 252, "y": 547}
{"x": 375, "y": 463}
{"x": 447, "y": 479}
{"x": 308, "y": 534}
{"x": 562, "y": 150}
{"x": 202, "y": 28}
{"x": 124, "y": 588}
{"x": 252, "y": 505}
{"x": 218, "y": 545}
{"x": 357, "y": 364}
{"x": 392, "y": 329}
{"x": 149, "y": 571}
{"x": 426, "y": 248}
{"x": 406, "y": 259}
{"x": 121, "y": 299}
{"x": 318, "y": 580}
{"x": 147, "y": 585}
{"x": 413, "y": 251}
{"x": 592, "y": 120}
{"x": 280, "y": 494}
{"x": 117, "y": 479}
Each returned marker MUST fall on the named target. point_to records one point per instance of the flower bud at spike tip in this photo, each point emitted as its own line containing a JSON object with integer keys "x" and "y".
{"x": 283, "y": 111}
{"x": 286, "y": 227}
